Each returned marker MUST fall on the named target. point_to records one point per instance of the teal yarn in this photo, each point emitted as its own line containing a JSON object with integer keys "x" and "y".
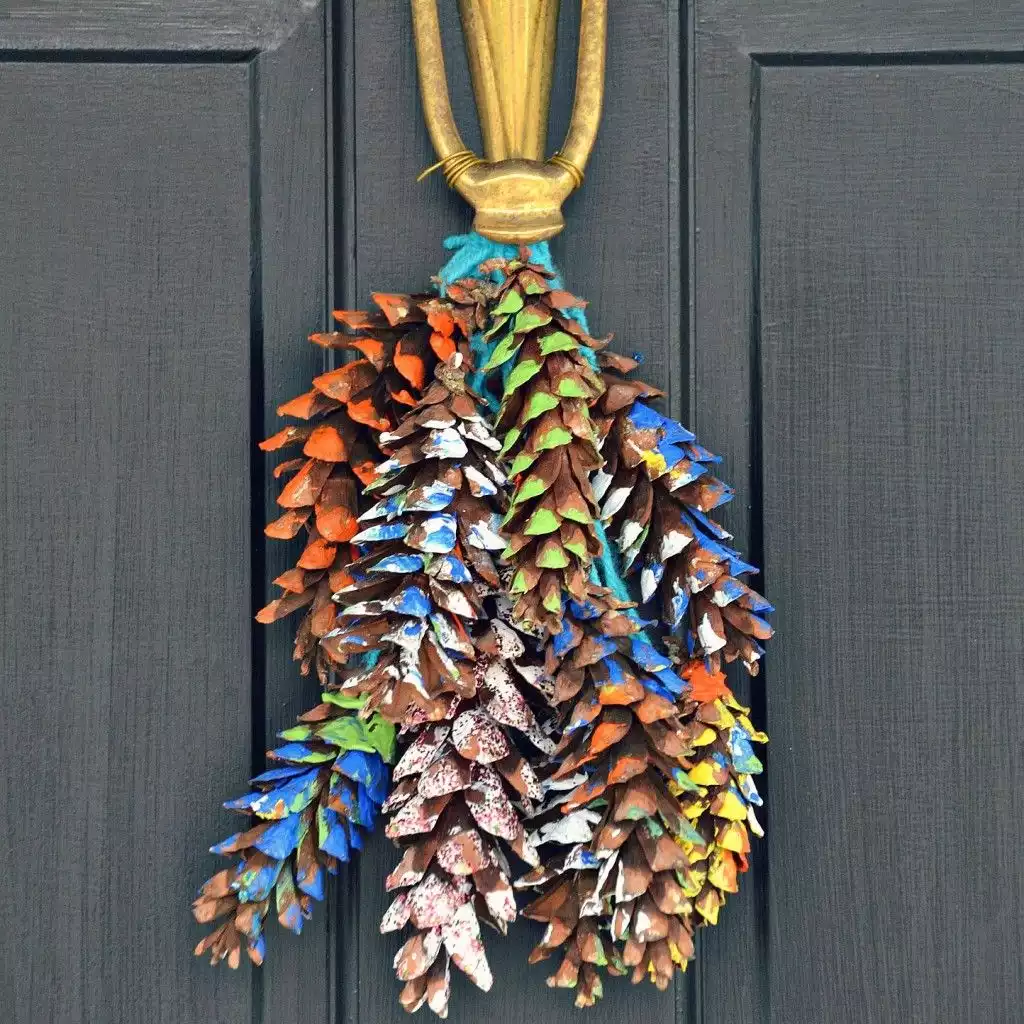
{"x": 468, "y": 252}
{"x": 607, "y": 571}
{"x": 607, "y": 565}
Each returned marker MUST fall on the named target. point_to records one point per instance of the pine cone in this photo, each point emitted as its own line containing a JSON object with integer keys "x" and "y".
{"x": 421, "y": 597}
{"x": 656, "y": 490}
{"x": 312, "y": 810}
{"x": 462, "y": 788}
{"x": 344, "y": 412}
{"x": 429, "y": 562}
{"x": 553, "y": 442}
{"x": 469, "y": 301}
{"x": 721, "y": 808}
{"x": 610, "y": 900}
{"x": 645, "y": 804}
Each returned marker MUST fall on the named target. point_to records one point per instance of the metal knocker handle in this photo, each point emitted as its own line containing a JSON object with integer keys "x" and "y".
{"x": 517, "y": 194}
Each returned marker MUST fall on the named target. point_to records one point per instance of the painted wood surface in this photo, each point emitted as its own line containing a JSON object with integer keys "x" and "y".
{"x": 126, "y": 656}
{"x": 816, "y": 206}
{"x": 856, "y": 279}
{"x": 165, "y": 251}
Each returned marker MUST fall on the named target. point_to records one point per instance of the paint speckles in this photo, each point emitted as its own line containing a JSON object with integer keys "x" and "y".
{"x": 477, "y": 736}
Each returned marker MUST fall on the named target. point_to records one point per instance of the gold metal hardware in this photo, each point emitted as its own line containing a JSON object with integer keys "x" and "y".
{"x": 516, "y": 194}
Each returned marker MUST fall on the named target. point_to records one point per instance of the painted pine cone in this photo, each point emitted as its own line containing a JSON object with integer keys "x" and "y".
{"x": 656, "y": 491}
{"x": 476, "y": 489}
{"x": 313, "y": 807}
{"x": 399, "y": 346}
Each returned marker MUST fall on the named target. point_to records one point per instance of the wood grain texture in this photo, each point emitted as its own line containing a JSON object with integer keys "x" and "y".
{"x": 892, "y": 342}
{"x": 272, "y": 117}
{"x": 846, "y": 218}
{"x": 124, "y": 326}
{"x": 622, "y": 241}
{"x": 861, "y": 26}
{"x": 855, "y": 280}
{"x": 731, "y": 973}
{"x": 291, "y": 125}
{"x": 147, "y": 26}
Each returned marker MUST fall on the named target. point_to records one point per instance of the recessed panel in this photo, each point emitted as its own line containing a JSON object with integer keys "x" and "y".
{"x": 125, "y": 506}
{"x": 891, "y": 319}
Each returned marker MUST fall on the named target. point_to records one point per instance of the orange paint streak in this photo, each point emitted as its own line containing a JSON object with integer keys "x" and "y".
{"x": 460, "y": 629}
{"x": 444, "y": 347}
{"x": 288, "y": 525}
{"x": 333, "y": 339}
{"x": 395, "y": 307}
{"x": 288, "y": 466}
{"x": 620, "y": 693}
{"x": 327, "y": 443}
{"x": 319, "y": 554}
{"x": 729, "y": 872}
{"x": 339, "y": 577}
{"x": 303, "y": 406}
{"x": 304, "y": 488}
{"x": 293, "y": 580}
{"x": 411, "y": 367}
{"x": 366, "y": 470}
{"x": 341, "y": 384}
{"x": 365, "y": 412}
{"x": 371, "y": 348}
{"x": 626, "y": 768}
{"x": 283, "y": 437}
{"x": 337, "y": 524}
{"x": 441, "y": 320}
{"x": 357, "y": 319}
{"x": 606, "y": 734}
{"x": 704, "y": 685}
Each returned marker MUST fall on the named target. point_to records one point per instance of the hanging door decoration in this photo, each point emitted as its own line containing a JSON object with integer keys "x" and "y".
{"x": 514, "y": 594}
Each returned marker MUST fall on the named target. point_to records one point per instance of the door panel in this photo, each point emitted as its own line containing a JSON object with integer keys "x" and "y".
{"x": 892, "y": 336}
{"x": 859, "y": 178}
{"x": 124, "y": 314}
{"x": 163, "y": 231}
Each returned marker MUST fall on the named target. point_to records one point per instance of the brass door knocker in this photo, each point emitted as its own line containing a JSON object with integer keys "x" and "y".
{"x": 516, "y": 193}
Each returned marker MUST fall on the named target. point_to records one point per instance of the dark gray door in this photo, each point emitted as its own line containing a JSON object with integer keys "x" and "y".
{"x": 808, "y": 221}
{"x": 858, "y": 336}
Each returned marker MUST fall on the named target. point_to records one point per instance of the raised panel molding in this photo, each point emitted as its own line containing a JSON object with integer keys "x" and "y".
{"x": 152, "y": 28}
{"x": 860, "y": 172}
{"x": 124, "y": 324}
{"x": 165, "y": 206}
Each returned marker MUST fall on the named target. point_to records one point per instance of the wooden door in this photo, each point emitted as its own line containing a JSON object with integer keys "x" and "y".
{"x": 818, "y": 210}
{"x": 858, "y": 334}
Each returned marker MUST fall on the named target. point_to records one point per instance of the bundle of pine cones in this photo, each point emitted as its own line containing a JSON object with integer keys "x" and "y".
{"x": 479, "y": 491}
